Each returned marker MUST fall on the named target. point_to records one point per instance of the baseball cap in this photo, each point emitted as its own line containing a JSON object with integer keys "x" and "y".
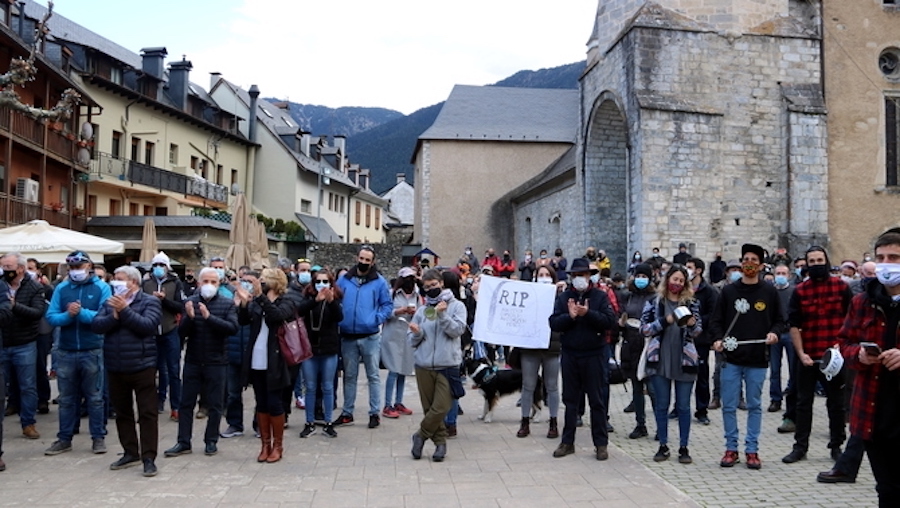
{"x": 78, "y": 257}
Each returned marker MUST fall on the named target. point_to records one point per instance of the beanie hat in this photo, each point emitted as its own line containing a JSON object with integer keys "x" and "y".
{"x": 161, "y": 258}
{"x": 643, "y": 269}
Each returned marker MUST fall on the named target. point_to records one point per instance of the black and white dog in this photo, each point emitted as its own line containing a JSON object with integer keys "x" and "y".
{"x": 495, "y": 383}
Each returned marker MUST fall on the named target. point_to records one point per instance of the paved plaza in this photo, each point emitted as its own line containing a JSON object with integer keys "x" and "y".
{"x": 487, "y": 466}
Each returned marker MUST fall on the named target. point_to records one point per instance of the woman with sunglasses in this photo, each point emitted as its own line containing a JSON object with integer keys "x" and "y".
{"x": 321, "y": 311}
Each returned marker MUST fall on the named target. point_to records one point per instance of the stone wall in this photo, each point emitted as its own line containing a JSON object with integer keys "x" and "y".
{"x": 707, "y": 125}
{"x": 550, "y": 219}
{"x": 343, "y": 255}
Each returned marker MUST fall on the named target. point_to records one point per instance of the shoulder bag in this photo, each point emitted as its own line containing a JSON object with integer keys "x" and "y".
{"x": 294, "y": 341}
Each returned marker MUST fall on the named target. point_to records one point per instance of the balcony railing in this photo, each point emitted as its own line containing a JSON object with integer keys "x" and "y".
{"x": 61, "y": 145}
{"x": 14, "y": 211}
{"x": 27, "y": 128}
{"x": 106, "y": 166}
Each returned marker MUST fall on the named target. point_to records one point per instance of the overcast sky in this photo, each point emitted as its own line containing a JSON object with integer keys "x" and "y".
{"x": 397, "y": 54}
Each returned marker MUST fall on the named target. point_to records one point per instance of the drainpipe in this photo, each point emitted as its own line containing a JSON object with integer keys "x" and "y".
{"x": 251, "y": 135}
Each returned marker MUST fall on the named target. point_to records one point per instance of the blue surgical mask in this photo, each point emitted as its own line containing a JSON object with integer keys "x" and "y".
{"x": 220, "y": 272}
{"x": 595, "y": 278}
{"x": 641, "y": 283}
{"x": 781, "y": 280}
{"x": 304, "y": 277}
{"x": 247, "y": 285}
{"x": 798, "y": 272}
{"x": 159, "y": 272}
{"x": 322, "y": 285}
{"x": 735, "y": 276}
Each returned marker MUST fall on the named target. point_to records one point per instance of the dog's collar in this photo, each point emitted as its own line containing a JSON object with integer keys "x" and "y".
{"x": 491, "y": 372}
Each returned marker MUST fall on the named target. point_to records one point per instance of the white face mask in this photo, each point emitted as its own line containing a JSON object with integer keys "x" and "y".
{"x": 595, "y": 278}
{"x": 322, "y": 285}
{"x": 33, "y": 275}
{"x": 119, "y": 287}
{"x": 207, "y": 291}
{"x": 78, "y": 275}
{"x": 580, "y": 283}
{"x": 545, "y": 280}
{"x": 888, "y": 274}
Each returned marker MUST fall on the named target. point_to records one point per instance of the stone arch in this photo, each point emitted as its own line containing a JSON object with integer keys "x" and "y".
{"x": 606, "y": 180}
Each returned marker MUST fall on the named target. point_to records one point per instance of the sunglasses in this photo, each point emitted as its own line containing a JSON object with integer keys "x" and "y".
{"x": 322, "y": 280}
{"x": 159, "y": 264}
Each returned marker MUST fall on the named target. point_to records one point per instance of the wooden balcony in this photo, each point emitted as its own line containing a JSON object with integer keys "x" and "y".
{"x": 15, "y": 211}
{"x": 61, "y": 145}
{"x": 27, "y": 128}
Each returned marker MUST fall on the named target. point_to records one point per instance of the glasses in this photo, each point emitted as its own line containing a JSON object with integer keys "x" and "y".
{"x": 323, "y": 280}
{"x": 160, "y": 264}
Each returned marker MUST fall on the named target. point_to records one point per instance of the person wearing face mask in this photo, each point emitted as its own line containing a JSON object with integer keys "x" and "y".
{"x": 469, "y": 256}
{"x": 866, "y": 274}
{"x": 491, "y": 259}
{"x": 717, "y": 269}
{"x": 816, "y": 313}
{"x": 80, "y": 371}
{"x": 636, "y": 259}
{"x": 129, "y": 321}
{"x": 507, "y": 265}
{"x": 209, "y": 318}
{"x": 225, "y": 288}
{"x": 322, "y": 313}
{"x": 527, "y": 267}
{"x": 583, "y": 314}
{"x": 868, "y": 342}
{"x": 302, "y": 278}
{"x": 367, "y": 305}
{"x": 559, "y": 263}
{"x": 640, "y": 291}
{"x": 665, "y": 368}
{"x": 747, "y": 310}
{"x": 800, "y": 273}
{"x": 190, "y": 282}
{"x": 784, "y": 347}
{"x": 19, "y": 353}
{"x": 706, "y": 296}
{"x": 546, "y": 363}
{"x": 164, "y": 285}
{"x": 543, "y": 259}
{"x": 236, "y": 345}
{"x": 732, "y": 274}
{"x": 396, "y": 355}
{"x": 44, "y": 339}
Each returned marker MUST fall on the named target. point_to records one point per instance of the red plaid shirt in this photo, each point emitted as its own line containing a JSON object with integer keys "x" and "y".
{"x": 818, "y": 308}
{"x": 865, "y": 322}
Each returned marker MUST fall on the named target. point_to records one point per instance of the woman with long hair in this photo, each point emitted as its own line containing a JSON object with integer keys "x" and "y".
{"x": 396, "y": 355}
{"x": 263, "y": 365}
{"x": 658, "y": 322}
{"x": 547, "y": 361}
{"x": 640, "y": 291}
{"x": 321, "y": 311}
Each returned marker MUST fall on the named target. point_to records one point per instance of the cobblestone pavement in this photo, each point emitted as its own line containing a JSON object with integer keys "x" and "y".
{"x": 486, "y": 466}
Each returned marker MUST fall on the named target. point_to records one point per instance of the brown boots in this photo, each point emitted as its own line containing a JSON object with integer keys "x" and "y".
{"x": 265, "y": 435}
{"x": 524, "y": 427}
{"x": 553, "y": 431}
{"x": 277, "y": 423}
{"x": 271, "y": 433}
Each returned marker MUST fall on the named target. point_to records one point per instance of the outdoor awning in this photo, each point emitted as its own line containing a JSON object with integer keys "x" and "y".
{"x": 318, "y": 229}
{"x": 50, "y": 244}
{"x": 163, "y": 241}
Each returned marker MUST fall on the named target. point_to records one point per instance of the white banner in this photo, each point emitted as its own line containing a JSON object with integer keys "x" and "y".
{"x": 514, "y": 313}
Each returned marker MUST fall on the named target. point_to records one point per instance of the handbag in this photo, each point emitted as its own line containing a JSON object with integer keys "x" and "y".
{"x": 642, "y": 363}
{"x": 293, "y": 341}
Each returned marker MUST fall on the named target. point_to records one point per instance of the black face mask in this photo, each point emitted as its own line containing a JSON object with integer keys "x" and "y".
{"x": 408, "y": 285}
{"x": 263, "y": 287}
{"x": 819, "y": 272}
{"x": 362, "y": 267}
{"x": 10, "y": 275}
{"x": 189, "y": 278}
{"x": 433, "y": 292}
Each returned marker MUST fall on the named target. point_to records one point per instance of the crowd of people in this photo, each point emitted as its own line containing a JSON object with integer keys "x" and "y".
{"x": 131, "y": 338}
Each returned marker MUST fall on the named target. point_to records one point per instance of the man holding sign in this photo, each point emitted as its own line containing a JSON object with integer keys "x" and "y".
{"x": 583, "y": 314}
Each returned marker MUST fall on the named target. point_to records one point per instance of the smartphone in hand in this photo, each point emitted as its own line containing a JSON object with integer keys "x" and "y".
{"x": 871, "y": 348}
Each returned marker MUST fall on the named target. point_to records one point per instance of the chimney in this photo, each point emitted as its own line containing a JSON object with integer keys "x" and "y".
{"x": 401, "y": 177}
{"x": 214, "y": 78}
{"x": 352, "y": 173}
{"x": 179, "y": 82}
{"x": 153, "y": 61}
{"x": 251, "y": 128}
{"x": 304, "y": 142}
{"x": 340, "y": 141}
{"x": 364, "y": 178}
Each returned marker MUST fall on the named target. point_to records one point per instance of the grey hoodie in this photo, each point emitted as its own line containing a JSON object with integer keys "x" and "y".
{"x": 437, "y": 345}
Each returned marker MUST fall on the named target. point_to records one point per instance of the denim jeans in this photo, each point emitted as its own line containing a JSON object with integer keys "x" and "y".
{"x": 168, "y": 362}
{"x": 662, "y": 389}
{"x": 23, "y": 359}
{"x": 234, "y": 404}
{"x": 786, "y": 346}
{"x": 369, "y": 349}
{"x": 80, "y": 373}
{"x": 732, "y": 378}
{"x": 452, "y": 414}
{"x": 319, "y": 367}
{"x": 394, "y": 380}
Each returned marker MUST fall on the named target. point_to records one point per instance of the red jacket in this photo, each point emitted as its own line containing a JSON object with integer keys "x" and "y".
{"x": 865, "y": 322}
{"x": 493, "y": 261}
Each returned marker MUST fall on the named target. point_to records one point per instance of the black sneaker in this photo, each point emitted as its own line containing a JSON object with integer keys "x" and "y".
{"x": 58, "y": 447}
{"x": 662, "y": 454}
{"x": 374, "y": 421}
{"x": 329, "y": 430}
{"x": 684, "y": 457}
{"x": 344, "y": 419}
{"x": 308, "y": 430}
{"x": 149, "y": 467}
{"x": 99, "y": 446}
{"x": 178, "y": 449}
{"x": 638, "y": 432}
{"x": 125, "y": 461}
{"x": 211, "y": 449}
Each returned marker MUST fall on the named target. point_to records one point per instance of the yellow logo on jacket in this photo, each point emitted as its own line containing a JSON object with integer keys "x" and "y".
{"x": 760, "y": 306}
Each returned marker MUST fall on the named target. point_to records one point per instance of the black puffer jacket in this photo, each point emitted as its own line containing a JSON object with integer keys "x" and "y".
{"x": 129, "y": 343}
{"x": 27, "y": 313}
{"x": 583, "y": 335}
{"x": 206, "y": 338}
{"x": 275, "y": 314}
{"x": 632, "y": 304}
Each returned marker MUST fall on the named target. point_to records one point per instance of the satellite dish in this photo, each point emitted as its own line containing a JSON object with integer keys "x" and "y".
{"x": 87, "y": 130}
{"x": 84, "y": 156}
{"x": 235, "y": 189}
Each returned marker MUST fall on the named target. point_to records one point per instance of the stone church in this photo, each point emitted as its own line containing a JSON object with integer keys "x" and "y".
{"x": 701, "y": 122}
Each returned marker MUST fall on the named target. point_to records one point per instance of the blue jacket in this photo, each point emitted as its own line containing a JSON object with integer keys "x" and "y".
{"x": 367, "y": 303}
{"x": 75, "y": 332}
{"x": 130, "y": 340}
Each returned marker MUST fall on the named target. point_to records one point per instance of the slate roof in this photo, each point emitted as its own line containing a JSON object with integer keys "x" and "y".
{"x": 559, "y": 168}
{"x": 492, "y": 113}
{"x": 317, "y": 228}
